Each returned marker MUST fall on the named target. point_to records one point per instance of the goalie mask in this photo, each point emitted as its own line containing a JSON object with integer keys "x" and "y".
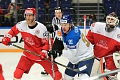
{"x": 111, "y": 22}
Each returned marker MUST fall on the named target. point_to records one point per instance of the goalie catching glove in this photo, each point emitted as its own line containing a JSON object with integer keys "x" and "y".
{"x": 55, "y": 53}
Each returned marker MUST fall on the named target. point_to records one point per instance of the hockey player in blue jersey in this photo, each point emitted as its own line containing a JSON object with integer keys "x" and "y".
{"x": 76, "y": 48}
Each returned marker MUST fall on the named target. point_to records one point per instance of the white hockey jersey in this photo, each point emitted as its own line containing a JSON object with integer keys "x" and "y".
{"x": 34, "y": 39}
{"x": 77, "y": 48}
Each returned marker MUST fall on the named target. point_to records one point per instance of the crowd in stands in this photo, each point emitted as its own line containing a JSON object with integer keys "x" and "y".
{"x": 45, "y": 10}
{"x": 9, "y": 17}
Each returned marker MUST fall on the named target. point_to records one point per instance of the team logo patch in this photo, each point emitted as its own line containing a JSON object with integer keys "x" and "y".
{"x": 46, "y": 34}
{"x": 70, "y": 41}
{"x": 59, "y": 33}
{"x": 118, "y": 36}
{"x": 37, "y": 31}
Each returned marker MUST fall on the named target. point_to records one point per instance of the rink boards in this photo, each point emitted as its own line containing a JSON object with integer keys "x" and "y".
{"x": 18, "y": 40}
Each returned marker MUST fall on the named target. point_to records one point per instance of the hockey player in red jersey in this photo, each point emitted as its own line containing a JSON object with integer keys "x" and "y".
{"x": 1, "y": 73}
{"x": 33, "y": 34}
{"x": 106, "y": 39}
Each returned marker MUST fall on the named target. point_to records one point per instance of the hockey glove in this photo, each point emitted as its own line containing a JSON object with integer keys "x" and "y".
{"x": 6, "y": 41}
{"x": 43, "y": 54}
{"x": 55, "y": 53}
{"x": 51, "y": 28}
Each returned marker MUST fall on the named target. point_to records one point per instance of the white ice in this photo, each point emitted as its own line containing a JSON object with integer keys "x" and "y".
{"x": 9, "y": 62}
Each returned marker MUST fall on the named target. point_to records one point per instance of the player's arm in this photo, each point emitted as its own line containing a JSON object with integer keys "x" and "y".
{"x": 45, "y": 42}
{"x": 69, "y": 52}
{"x": 89, "y": 35}
{"x": 14, "y": 31}
{"x": 7, "y": 37}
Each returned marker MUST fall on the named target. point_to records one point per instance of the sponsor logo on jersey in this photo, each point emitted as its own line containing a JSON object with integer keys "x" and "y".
{"x": 29, "y": 40}
{"x": 71, "y": 46}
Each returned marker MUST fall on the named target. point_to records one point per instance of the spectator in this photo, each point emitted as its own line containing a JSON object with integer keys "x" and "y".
{"x": 8, "y": 18}
{"x": 1, "y": 16}
{"x": 91, "y": 19}
{"x": 47, "y": 3}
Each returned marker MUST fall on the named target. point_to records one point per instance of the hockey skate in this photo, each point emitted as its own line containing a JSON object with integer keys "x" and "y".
{"x": 44, "y": 73}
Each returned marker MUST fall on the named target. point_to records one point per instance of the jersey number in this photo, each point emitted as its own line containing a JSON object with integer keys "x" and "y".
{"x": 85, "y": 40}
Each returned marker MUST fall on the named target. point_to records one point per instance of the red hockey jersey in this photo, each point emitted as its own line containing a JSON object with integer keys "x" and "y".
{"x": 105, "y": 43}
{"x": 35, "y": 39}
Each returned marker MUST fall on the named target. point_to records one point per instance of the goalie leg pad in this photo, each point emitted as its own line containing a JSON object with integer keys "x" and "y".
{"x": 118, "y": 76}
{"x": 83, "y": 76}
{"x": 67, "y": 77}
{"x": 116, "y": 58}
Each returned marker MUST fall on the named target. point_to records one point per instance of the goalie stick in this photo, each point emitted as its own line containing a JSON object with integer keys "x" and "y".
{"x": 103, "y": 74}
{"x": 75, "y": 70}
{"x": 85, "y": 25}
{"x": 102, "y": 68}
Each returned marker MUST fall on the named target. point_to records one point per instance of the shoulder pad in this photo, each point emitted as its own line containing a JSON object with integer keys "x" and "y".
{"x": 93, "y": 24}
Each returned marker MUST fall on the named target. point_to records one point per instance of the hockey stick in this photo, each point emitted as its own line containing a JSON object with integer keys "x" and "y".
{"x": 52, "y": 60}
{"x": 85, "y": 25}
{"x": 101, "y": 66}
{"x": 75, "y": 70}
{"x": 103, "y": 74}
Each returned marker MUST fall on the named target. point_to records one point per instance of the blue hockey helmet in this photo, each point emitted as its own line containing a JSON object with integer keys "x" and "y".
{"x": 66, "y": 19}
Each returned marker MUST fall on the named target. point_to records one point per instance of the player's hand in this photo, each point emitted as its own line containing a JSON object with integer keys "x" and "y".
{"x": 52, "y": 28}
{"x": 6, "y": 41}
{"x": 54, "y": 53}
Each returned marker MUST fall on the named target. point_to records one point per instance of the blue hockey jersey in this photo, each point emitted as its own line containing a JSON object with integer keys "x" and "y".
{"x": 77, "y": 47}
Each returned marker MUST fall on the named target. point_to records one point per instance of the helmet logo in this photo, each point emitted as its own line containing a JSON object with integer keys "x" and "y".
{"x": 28, "y": 12}
{"x": 63, "y": 21}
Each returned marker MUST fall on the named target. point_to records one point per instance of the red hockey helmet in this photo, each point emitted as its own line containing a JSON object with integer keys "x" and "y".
{"x": 30, "y": 11}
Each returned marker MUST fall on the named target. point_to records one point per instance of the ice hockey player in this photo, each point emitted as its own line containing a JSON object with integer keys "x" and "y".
{"x": 76, "y": 48}
{"x": 106, "y": 40}
{"x": 35, "y": 40}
